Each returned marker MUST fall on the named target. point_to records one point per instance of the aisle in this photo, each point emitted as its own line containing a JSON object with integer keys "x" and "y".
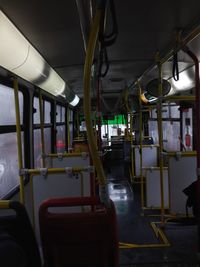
{"x": 134, "y": 228}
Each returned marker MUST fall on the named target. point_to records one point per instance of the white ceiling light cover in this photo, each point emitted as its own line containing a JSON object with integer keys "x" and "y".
{"x": 20, "y": 57}
{"x": 185, "y": 82}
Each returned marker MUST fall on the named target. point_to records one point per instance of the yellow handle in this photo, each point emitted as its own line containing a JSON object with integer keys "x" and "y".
{"x": 19, "y": 141}
{"x": 4, "y": 204}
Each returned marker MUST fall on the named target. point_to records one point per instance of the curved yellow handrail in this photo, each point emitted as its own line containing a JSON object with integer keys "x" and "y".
{"x": 87, "y": 105}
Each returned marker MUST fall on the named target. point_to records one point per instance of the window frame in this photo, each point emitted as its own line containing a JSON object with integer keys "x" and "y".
{"x": 37, "y": 126}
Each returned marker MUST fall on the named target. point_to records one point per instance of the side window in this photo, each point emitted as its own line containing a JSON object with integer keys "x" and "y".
{"x": 37, "y": 131}
{"x": 70, "y": 127}
{"x": 60, "y": 129}
{"x": 170, "y": 124}
{"x": 9, "y": 178}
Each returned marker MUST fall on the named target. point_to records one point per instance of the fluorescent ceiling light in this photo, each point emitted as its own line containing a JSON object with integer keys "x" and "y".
{"x": 20, "y": 57}
{"x": 185, "y": 82}
{"x": 75, "y": 101}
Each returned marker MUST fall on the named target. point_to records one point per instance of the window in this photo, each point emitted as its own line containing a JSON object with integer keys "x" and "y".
{"x": 37, "y": 131}
{"x": 70, "y": 127}
{"x": 170, "y": 124}
{"x": 60, "y": 129}
{"x": 9, "y": 178}
{"x": 38, "y": 145}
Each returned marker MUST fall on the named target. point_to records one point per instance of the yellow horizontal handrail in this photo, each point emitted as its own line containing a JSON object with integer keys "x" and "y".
{"x": 67, "y": 155}
{"x": 182, "y": 154}
{"x": 45, "y": 171}
{"x": 138, "y": 146}
{"x": 4, "y": 204}
{"x": 180, "y": 97}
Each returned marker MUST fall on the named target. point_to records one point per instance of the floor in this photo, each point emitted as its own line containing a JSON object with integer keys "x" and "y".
{"x": 135, "y": 228}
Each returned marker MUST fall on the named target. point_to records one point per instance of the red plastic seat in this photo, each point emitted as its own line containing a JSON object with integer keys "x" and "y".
{"x": 79, "y": 239}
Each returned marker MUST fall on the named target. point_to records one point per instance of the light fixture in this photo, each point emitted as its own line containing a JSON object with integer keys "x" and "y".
{"x": 20, "y": 57}
{"x": 75, "y": 101}
{"x": 153, "y": 87}
{"x": 185, "y": 81}
{"x": 147, "y": 98}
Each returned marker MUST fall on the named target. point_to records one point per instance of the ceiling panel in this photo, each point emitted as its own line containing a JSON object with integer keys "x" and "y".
{"x": 145, "y": 27}
{"x": 52, "y": 27}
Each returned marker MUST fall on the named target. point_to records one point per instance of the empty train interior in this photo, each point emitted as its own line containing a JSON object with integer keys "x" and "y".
{"x": 99, "y": 133}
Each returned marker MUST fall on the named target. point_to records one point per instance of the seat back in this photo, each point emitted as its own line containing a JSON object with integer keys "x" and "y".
{"x": 79, "y": 239}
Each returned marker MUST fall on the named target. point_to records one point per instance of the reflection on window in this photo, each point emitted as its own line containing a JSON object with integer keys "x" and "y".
{"x": 153, "y": 131}
{"x": 9, "y": 171}
{"x": 171, "y": 134}
{"x": 7, "y": 116}
{"x": 63, "y": 114}
{"x": 187, "y": 129}
{"x": 70, "y": 115}
{"x": 60, "y": 139}
{"x": 107, "y": 131}
{"x": 58, "y": 113}
{"x": 38, "y": 146}
{"x": 175, "y": 112}
{"x": 168, "y": 112}
{"x": 36, "y": 118}
{"x": 70, "y": 135}
{"x": 47, "y": 112}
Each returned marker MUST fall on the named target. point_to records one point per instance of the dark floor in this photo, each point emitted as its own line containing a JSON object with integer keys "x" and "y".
{"x": 134, "y": 228}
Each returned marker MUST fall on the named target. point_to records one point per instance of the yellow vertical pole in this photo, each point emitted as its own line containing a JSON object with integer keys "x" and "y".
{"x": 140, "y": 141}
{"x": 160, "y": 134}
{"x": 19, "y": 141}
{"x": 4, "y": 204}
{"x": 42, "y": 128}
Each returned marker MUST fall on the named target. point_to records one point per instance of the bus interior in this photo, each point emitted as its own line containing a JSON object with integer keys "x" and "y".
{"x": 99, "y": 133}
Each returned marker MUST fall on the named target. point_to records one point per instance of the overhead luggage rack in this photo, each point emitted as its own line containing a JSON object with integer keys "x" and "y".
{"x": 78, "y": 239}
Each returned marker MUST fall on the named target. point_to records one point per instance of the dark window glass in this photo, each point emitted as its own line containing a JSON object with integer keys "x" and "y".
{"x": 9, "y": 170}
{"x": 7, "y": 104}
{"x": 38, "y": 146}
{"x": 60, "y": 143}
{"x": 58, "y": 113}
{"x": 36, "y": 116}
{"x": 47, "y": 112}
